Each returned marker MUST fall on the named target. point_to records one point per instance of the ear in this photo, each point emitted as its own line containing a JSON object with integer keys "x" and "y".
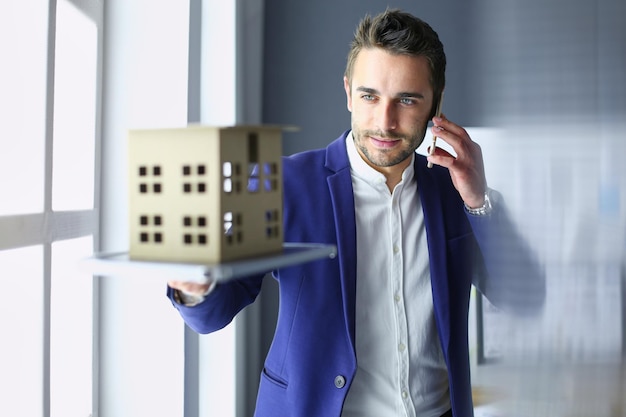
{"x": 346, "y": 86}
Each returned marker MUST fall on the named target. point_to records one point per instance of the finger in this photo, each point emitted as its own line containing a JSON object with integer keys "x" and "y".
{"x": 449, "y": 126}
{"x": 440, "y": 152}
{"x": 189, "y": 287}
{"x": 441, "y": 157}
{"x": 462, "y": 145}
{"x": 452, "y": 133}
{"x": 196, "y": 289}
{"x": 447, "y": 135}
{"x": 453, "y": 136}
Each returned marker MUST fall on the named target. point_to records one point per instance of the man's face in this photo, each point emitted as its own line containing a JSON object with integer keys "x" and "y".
{"x": 390, "y": 100}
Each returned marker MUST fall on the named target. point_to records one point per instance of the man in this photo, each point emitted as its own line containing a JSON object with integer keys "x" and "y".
{"x": 382, "y": 329}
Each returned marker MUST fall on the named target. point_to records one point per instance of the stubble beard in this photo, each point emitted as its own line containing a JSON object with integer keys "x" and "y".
{"x": 386, "y": 158}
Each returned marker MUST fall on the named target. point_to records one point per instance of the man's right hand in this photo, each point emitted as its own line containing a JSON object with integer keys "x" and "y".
{"x": 191, "y": 288}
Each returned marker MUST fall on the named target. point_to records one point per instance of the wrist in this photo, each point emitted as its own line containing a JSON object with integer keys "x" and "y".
{"x": 483, "y": 210}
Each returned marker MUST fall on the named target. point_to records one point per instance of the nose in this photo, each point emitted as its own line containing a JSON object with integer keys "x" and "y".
{"x": 387, "y": 116}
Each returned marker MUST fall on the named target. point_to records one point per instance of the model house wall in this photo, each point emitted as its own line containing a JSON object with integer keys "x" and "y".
{"x": 205, "y": 194}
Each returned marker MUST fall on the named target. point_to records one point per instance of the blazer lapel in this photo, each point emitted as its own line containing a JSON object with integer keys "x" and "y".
{"x": 431, "y": 199}
{"x": 340, "y": 187}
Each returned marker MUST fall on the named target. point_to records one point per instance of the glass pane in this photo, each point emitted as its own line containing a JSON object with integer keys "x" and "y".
{"x": 74, "y": 110}
{"x": 218, "y": 372}
{"x": 71, "y": 330}
{"x": 23, "y": 41}
{"x": 21, "y": 327}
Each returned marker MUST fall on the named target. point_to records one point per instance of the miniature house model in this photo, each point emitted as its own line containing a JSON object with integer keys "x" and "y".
{"x": 205, "y": 194}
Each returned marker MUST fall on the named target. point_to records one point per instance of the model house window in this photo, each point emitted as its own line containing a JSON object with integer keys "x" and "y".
{"x": 253, "y": 163}
{"x": 232, "y": 227}
{"x": 195, "y": 232}
{"x": 194, "y": 179}
{"x": 270, "y": 172}
{"x": 231, "y": 174}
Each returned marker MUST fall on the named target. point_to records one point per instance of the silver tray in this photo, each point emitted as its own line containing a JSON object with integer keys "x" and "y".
{"x": 119, "y": 264}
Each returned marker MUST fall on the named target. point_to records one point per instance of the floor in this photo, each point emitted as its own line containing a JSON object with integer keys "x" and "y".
{"x": 550, "y": 390}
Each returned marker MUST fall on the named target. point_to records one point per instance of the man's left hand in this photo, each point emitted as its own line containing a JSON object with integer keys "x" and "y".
{"x": 466, "y": 169}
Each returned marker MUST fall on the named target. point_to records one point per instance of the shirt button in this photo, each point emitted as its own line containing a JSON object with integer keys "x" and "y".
{"x": 396, "y": 249}
{"x": 401, "y": 347}
{"x": 340, "y": 381}
{"x": 396, "y": 298}
{"x": 405, "y": 394}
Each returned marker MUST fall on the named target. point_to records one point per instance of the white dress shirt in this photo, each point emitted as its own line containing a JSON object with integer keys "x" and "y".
{"x": 401, "y": 370}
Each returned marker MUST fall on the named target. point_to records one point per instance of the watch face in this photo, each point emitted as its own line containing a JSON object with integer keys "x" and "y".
{"x": 487, "y": 200}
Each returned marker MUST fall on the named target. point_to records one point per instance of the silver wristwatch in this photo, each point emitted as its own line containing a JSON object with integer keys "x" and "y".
{"x": 484, "y": 210}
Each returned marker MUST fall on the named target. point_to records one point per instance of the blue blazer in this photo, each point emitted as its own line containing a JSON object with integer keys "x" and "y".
{"x": 312, "y": 362}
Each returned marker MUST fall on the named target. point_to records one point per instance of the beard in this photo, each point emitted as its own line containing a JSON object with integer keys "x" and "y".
{"x": 388, "y": 157}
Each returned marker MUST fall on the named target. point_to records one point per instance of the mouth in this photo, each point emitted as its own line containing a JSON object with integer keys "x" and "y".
{"x": 384, "y": 143}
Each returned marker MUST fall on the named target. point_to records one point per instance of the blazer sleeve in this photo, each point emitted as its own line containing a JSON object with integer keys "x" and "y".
{"x": 219, "y": 307}
{"x": 513, "y": 278}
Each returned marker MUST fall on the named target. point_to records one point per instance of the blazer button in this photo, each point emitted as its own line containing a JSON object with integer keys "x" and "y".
{"x": 340, "y": 381}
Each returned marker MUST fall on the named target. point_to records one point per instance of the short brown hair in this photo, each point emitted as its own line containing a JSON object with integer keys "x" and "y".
{"x": 401, "y": 33}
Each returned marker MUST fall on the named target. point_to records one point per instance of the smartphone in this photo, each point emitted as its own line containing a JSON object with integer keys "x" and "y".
{"x": 437, "y": 114}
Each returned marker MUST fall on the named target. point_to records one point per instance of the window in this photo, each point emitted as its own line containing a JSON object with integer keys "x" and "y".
{"x": 22, "y": 342}
{"x": 47, "y": 205}
{"x": 23, "y": 106}
{"x": 76, "y": 51}
{"x": 71, "y": 329}
{"x": 231, "y": 173}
